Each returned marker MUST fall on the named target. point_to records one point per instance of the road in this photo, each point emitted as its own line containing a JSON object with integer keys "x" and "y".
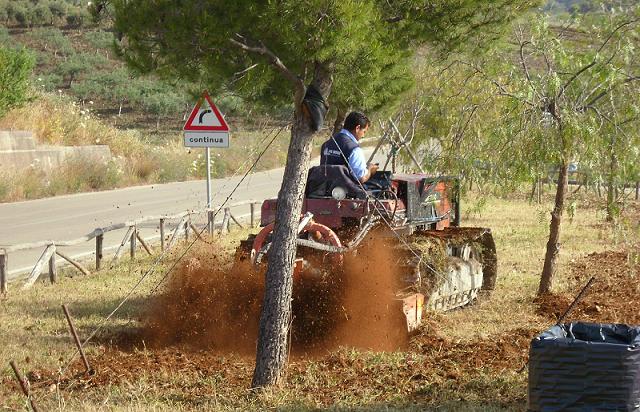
{"x": 72, "y": 216}
{"x": 69, "y": 217}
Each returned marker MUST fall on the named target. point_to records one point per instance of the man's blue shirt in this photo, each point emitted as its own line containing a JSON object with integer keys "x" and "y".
{"x": 357, "y": 162}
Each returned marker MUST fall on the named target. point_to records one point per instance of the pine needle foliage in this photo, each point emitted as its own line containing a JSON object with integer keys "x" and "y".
{"x": 369, "y": 44}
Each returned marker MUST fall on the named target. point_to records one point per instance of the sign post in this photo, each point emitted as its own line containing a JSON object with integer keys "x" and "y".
{"x": 206, "y": 127}
{"x": 207, "y": 152}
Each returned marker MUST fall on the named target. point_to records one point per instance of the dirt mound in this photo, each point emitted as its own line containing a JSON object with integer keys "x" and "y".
{"x": 614, "y": 297}
{"x": 506, "y": 351}
{"x": 211, "y": 304}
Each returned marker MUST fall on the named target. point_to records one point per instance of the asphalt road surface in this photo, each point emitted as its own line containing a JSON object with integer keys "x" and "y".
{"x": 69, "y": 217}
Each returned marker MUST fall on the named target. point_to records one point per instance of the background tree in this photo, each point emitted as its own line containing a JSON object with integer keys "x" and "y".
{"x": 277, "y": 50}
{"x": 558, "y": 92}
{"x": 78, "y": 64}
{"x": 42, "y": 15}
{"x": 457, "y": 108}
{"x": 4, "y": 12}
{"x": 78, "y": 17}
{"x": 163, "y": 104}
{"x": 15, "y": 69}
{"x": 51, "y": 38}
{"x": 4, "y": 35}
{"x": 22, "y": 13}
{"x": 58, "y": 9}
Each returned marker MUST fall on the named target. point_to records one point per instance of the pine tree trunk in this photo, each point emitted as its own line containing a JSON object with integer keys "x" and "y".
{"x": 337, "y": 124}
{"x": 553, "y": 245}
{"x": 275, "y": 319}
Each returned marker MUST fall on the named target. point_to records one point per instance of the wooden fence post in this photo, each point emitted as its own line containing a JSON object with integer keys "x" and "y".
{"x": 252, "y": 205}
{"x": 125, "y": 239}
{"x": 236, "y": 221}
{"x": 37, "y": 269}
{"x": 187, "y": 222}
{"x": 4, "y": 269}
{"x": 174, "y": 235}
{"x": 637, "y": 190}
{"x": 24, "y": 384}
{"x": 225, "y": 221}
{"x": 74, "y": 263}
{"x": 99, "y": 242}
{"x": 133, "y": 242}
{"x": 144, "y": 244}
{"x": 210, "y": 222}
{"x": 53, "y": 270}
{"x": 162, "y": 235}
{"x": 76, "y": 339}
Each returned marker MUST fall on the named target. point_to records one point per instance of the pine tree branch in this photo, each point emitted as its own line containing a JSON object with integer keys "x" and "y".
{"x": 274, "y": 60}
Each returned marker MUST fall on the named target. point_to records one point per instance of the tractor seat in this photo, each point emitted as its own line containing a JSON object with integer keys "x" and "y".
{"x": 324, "y": 178}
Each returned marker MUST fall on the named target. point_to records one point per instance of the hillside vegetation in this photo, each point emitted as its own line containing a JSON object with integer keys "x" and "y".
{"x": 75, "y": 57}
{"x": 80, "y": 93}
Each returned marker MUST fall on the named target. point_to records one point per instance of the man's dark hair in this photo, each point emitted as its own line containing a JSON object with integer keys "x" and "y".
{"x": 355, "y": 119}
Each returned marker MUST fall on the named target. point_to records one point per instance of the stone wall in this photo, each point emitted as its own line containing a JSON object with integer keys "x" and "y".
{"x": 19, "y": 151}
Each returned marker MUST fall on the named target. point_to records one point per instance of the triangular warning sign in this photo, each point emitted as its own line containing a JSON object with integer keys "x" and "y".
{"x": 205, "y": 117}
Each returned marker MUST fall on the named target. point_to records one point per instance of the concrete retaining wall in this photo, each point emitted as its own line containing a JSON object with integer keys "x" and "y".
{"x": 19, "y": 151}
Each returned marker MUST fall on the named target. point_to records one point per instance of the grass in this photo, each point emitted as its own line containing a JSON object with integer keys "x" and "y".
{"x": 35, "y": 335}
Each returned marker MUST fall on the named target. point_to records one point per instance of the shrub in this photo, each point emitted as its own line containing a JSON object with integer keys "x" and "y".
{"x": 5, "y": 187}
{"x": 48, "y": 82}
{"x": 173, "y": 165}
{"x": 22, "y": 14}
{"x": 78, "y": 17}
{"x": 15, "y": 69}
{"x": 4, "y": 33}
{"x": 58, "y": 9}
{"x": 21, "y": 185}
{"x": 99, "y": 39}
{"x": 80, "y": 173}
{"x": 42, "y": 15}
{"x": 29, "y": 184}
{"x": 144, "y": 167}
{"x": 52, "y": 38}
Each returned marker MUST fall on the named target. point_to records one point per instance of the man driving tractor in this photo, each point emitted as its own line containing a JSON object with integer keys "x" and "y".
{"x": 343, "y": 148}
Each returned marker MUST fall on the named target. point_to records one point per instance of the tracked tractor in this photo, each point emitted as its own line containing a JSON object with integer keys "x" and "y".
{"x": 442, "y": 265}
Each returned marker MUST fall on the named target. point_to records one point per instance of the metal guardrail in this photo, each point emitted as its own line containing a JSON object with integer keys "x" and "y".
{"x": 132, "y": 237}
